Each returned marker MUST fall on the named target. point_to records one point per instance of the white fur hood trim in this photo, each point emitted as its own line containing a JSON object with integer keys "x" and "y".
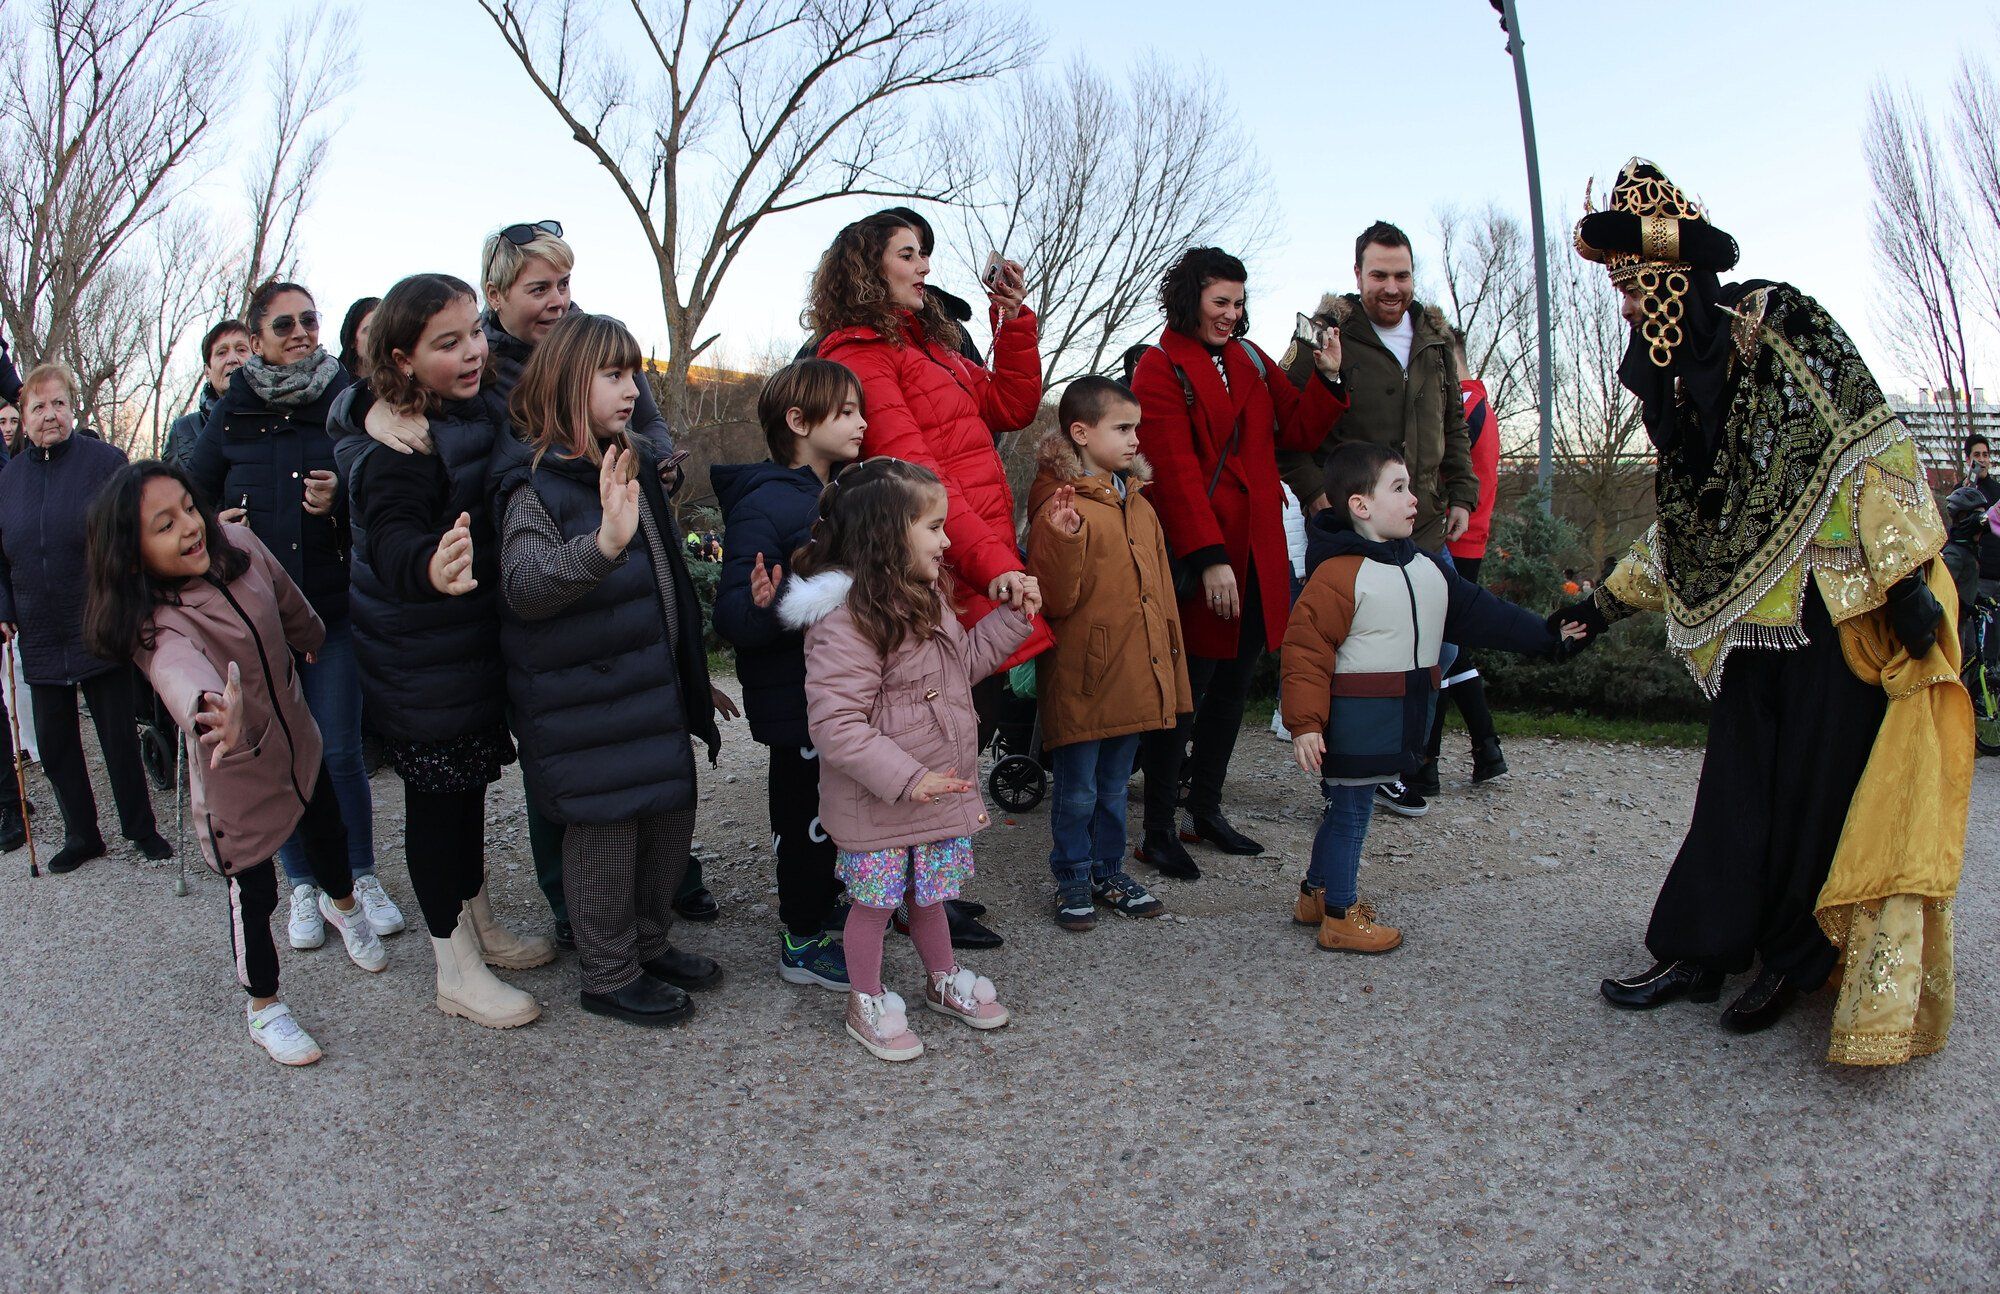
{"x": 810, "y": 599}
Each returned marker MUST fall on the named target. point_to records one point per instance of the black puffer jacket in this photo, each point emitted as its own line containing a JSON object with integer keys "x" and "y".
{"x": 44, "y": 496}
{"x": 186, "y": 430}
{"x": 507, "y": 355}
{"x": 430, "y": 664}
{"x": 767, "y": 508}
{"x": 257, "y": 455}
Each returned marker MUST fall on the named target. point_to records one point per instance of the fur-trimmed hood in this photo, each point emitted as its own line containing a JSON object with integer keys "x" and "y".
{"x": 810, "y": 599}
{"x": 1338, "y": 307}
{"x": 1057, "y": 464}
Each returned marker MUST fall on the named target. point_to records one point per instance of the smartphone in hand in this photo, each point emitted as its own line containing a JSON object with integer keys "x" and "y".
{"x": 996, "y": 265}
{"x": 1310, "y": 332}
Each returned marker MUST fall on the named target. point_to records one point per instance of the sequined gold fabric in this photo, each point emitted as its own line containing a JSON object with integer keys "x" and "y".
{"x": 1896, "y": 983}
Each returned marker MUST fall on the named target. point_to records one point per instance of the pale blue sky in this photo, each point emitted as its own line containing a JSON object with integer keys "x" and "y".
{"x": 1363, "y": 110}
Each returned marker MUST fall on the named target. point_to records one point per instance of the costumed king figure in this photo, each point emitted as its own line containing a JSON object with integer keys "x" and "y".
{"x": 1796, "y": 558}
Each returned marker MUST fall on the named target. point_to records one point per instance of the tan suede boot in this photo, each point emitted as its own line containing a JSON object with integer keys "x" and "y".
{"x": 1310, "y": 910}
{"x": 465, "y": 988}
{"x": 498, "y": 945}
{"x": 1357, "y": 932}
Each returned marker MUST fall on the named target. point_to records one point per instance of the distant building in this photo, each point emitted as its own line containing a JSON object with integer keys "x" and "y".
{"x": 1939, "y": 422}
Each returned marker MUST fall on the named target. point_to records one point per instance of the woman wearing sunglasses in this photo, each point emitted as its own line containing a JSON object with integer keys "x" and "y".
{"x": 265, "y": 459}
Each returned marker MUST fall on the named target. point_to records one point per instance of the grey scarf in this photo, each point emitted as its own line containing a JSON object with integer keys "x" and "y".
{"x": 291, "y": 384}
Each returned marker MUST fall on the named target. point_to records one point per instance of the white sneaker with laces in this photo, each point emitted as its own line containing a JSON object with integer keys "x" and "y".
{"x": 364, "y": 949}
{"x": 383, "y": 914}
{"x": 277, "y": 1033}
{"x": 306, "y": 928}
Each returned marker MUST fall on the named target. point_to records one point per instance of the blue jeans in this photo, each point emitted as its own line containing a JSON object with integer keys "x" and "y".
{"x": 1087, "y": 812}
{"x": 332, "y": 685}
{"x": 1336, "y": 855}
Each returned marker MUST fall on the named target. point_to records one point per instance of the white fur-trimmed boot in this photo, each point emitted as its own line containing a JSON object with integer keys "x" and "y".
{"x": 465, "y": 988}
{"x": 496, "y": 944}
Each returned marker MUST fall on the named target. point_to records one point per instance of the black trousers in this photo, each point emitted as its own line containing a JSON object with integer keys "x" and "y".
{"x": 807, "y": 886}
{"x": 444, "y": 843}
{"x": 1468, "y": 694}
{"x": 60, "y": 735}
{"x": 253, "y": 892}
{"x": 1788, "y": 737}
{"x": 1221, "y": 687}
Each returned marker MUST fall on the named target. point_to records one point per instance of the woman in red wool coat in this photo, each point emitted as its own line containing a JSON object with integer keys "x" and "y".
{"x": 1214, "y": 411}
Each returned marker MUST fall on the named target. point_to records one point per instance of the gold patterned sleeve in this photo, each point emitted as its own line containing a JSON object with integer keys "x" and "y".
{"x": 1634, "y": 583}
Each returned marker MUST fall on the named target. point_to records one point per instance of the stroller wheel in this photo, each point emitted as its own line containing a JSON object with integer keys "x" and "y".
{"x": 1018, "y": 783}
{"x": 157, "y": 757}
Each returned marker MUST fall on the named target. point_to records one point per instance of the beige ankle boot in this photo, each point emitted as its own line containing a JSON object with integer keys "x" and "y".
{"x": 500, "y": 946}
{"x": 467, "y": 989}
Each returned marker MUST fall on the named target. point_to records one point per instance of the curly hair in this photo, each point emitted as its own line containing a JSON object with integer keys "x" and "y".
{"x": 1185, "y": 280}
{"x": 400, "y": 320}
{"x": 848, "y": 291}
{"x": 865, "y": 515}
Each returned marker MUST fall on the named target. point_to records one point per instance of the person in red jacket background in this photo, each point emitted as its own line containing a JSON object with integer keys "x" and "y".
{"x": 931, "y": 404}
{"x": 1214, "y": 411}
{"x": 1468, "y": 551}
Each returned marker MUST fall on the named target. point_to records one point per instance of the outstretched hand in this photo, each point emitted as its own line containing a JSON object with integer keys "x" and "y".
{"x": 220, "y": 718}
{"x": 618, "y": 495}
{"x": 1062, "y": 513}
{"x": 764, "y": 583}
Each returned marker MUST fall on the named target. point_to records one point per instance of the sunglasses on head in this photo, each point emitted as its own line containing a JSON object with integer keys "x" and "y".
{"x": 282, "y": 325}
{"x": 522, "y": 235}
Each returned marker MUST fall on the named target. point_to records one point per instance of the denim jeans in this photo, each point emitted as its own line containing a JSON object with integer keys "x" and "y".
{"x": 332, "y": 684}
{"x": 1336, "y": 854}
{"x": 1087, "y": 812}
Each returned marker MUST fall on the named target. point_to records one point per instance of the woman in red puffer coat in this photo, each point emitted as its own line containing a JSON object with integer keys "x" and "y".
{"x": 929, "y": 404}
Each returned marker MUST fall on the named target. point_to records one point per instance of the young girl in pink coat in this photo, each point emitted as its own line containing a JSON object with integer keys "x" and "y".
{"x": 212, "y": 619}
{"x": 889, "y": 674}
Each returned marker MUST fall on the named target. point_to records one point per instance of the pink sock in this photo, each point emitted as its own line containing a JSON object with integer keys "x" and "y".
{"x": 861, "y": 939}
{"x": 930, "y": 931}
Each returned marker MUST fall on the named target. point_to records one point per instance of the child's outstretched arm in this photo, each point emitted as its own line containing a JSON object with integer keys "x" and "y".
{"x": 1476, "y": 618}
{"x": 843, "y": 680}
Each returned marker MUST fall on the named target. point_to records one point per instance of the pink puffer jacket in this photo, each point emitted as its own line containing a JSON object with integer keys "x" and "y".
{"x": 252, "y": 802}
{"x": 880, "y": 724}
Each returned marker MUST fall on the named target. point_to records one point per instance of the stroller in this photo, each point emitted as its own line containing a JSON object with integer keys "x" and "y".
{"x": 1020, "y": 777}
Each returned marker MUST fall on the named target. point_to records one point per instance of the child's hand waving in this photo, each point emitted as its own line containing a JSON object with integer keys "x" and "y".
{"x": 933, "y": 786}
{"x": 1309, "y": 748}
{"x": 220, "y": 718}
{"x": 764, "y": 582}
{"x": 1062, "y": 512}
{"x": 618, "y": 493}
{"x": 451, "y": 564}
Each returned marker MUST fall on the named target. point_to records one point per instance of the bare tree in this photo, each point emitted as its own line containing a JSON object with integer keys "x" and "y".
{"x": 1094, "y": 187}
{"x": 1975, "y": 141}
{"x": 1603, "y": 456}
{"x": 732, "y": 112}
{"x": 1918, "y": 229}
{"x": 104, "y": 108}
{"x": 176, "y": 291}
{"x": 1489, "y": 293}
{"x": 104, "y": 346}
{"x": 310, "y": 66}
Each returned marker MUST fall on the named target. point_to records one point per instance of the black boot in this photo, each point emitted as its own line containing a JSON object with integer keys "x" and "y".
{"x": 13, "y": 829}
{"x": 644, "y": 1001}
{"x": 967, "y": 930}
{"x": 1487, "y": 761}
{"x": 698, "y": 905}
{"x": 684, "y": 970}
{"x": 1662, "y": 983}
{"x": 74, "y": 854}
{"x": 1425, "y": 780}
{"x": 1163, "y": 851}
{"x": 1760, "y": 1006}
{"x": 1215, "y": 829}
{"x": 154, "y": 846}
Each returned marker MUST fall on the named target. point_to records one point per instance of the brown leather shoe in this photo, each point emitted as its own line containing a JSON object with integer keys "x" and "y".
{"x": 1310, "y": 910}
{"x": 1357, "y": 932}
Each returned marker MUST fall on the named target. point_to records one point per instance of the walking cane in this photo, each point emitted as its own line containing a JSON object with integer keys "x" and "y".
{"x": 180, "y": 822}
{"x": 20, "y": 773}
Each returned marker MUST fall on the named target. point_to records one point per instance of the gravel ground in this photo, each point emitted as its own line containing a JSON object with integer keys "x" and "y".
{"x": 1202, "y": 1103}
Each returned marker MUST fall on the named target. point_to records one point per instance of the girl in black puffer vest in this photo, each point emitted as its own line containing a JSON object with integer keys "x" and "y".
{"x": 426, "y": 609}
{"x": 606, "y": 672}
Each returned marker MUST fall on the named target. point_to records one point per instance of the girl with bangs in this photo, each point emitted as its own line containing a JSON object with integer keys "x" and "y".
{"x": 889, "y": 675}
{"x": 606, "y": 673}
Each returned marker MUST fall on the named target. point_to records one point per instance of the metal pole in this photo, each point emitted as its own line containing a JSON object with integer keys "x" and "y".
{"x": 1544, "y": 335}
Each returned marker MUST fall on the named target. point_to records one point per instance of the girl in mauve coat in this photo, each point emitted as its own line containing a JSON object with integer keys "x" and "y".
{"x": 212, "y": 620}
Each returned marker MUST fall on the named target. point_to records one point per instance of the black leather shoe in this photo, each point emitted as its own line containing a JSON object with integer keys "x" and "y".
{"x": 1425, "y": 780}
{"x": 644, "y": 1001}
{"x": 1215, "y": 829}
{"x": 1769, "y": 996}
{"x": 1164, "y": 853}
{"x": 74, "y": 854}
{"x": 698, "y": 905}
{"x": 690, "y": 971}
{"x": 13, "y": 831}
{"x": 970, "y": 932}
{"x": 965, "y": 907}
{"x": 1662, "y": 983}
{"x": 1487, "y": 762}
{"x": 563, "y": 936}
{"x": 154, "y": 847}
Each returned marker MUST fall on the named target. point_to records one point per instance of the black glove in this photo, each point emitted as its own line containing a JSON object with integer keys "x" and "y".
{"x": 1914, "y": 612}
{"x": 1585, "y": 613}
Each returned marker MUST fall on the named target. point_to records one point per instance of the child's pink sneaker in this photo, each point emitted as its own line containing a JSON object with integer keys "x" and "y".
{"x": 881, "y": 1023}
{"x": 964, "y": 996}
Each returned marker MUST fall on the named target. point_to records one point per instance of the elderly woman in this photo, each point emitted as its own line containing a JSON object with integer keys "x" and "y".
{"x": 1214, "y": 411}
{"x": 265, "y": 459}
{"x": 44, "y": 493}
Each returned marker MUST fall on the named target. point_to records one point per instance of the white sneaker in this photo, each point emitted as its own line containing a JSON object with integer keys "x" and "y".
{"x": 1278, "y": 728}
{"x": 364, "y": 949}
{"x": 383, "y": 914}
{"x": 276, "y": 1032}
{"x": 306, "y": 928}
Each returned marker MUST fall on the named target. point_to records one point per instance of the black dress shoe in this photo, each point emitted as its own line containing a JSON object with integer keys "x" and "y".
{"x": 13, "y": 831}
{"x": 1215, "y": 829}
{"x": 965, "y": 907}
{"x": 1760, "y": 1005}
{"x": 564, "y": 935}
{"x": 690, "y": 971}
{"x": 698, "y": 905}
{"x": 970, "y": 932}
{"x": 644, "y": 1001}
{"x": 1662, "y": 983}
{"x": 1164, "y": 853}
{"x": 154, "y": 847}
{"x": 74, "y": 854}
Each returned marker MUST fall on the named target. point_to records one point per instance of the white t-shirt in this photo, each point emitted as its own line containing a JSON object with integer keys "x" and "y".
{"x": 1398, "y": 339}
